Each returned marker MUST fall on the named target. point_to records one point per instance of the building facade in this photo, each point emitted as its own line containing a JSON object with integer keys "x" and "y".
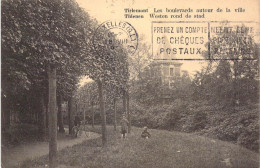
{"x": 169, "y": 71}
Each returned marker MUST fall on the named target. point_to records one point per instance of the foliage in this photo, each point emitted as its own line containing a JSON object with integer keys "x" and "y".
{"x": 240, "y": 127}
{"x": 59, "y": 33}
{"x": 20, "y": 133}
{"x": 34, "y": 35}
{"x": 140, "y": 60}
{"x": 231, "y": 77}
{"x": 199, "y": 117}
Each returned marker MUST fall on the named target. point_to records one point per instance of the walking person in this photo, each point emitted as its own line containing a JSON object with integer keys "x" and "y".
{"x": 124, "y": 123}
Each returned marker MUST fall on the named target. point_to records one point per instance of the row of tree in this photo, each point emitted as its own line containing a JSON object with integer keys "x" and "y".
{"x": 46, "y": 47}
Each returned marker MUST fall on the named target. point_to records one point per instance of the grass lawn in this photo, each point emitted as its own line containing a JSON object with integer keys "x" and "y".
{"x": 165, "y": 149}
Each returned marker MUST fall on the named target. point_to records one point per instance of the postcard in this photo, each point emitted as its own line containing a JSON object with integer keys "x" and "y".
{"x": 127, "y": 83}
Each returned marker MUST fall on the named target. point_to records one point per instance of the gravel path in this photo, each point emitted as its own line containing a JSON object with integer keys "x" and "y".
{"x": 14, "y": 156}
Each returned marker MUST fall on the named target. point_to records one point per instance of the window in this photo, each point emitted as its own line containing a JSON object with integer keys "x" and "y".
{"x": 171, "y": 72}
{"x": 177, "y": 71}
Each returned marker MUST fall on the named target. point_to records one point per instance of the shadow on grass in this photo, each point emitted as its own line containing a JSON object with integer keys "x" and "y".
{"x": 71, "y": 156}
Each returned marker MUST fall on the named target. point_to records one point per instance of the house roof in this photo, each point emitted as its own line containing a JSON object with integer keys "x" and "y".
{"x": 165, "y": 62}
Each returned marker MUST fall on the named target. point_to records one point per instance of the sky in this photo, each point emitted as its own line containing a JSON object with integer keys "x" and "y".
{"x": 104, "y": 10}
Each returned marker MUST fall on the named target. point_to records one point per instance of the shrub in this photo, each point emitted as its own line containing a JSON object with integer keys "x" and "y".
{"x": 234, "y": 125}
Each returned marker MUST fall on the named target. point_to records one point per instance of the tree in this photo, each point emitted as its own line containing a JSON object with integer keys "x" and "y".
{"x": 140, "y": 59}
{"x": 111, "y": 69}
{"x": 230, "y": 79}
{"x": 60, "y": 115}
{"x": 40, "y": 34}
{"x": 52, "y": 117}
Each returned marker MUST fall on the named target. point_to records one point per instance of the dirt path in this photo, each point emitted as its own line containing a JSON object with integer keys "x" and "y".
{"x": 14, "y": 156}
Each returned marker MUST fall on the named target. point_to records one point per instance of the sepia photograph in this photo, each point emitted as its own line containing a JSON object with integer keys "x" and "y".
{"x": 130, "y": 84}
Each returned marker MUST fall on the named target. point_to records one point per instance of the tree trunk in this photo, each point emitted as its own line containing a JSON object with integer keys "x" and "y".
{"x": 52, "y": 117}
{"x": 60, "y": 115}
{"x": 47, "y": 120}
{"x": 124, "y": 103}
{"x": 115, "y": 124}
{"x": 6, "y": 118}
{"x": 128, "y": 113}
{"x": 71, "y": 114}
{"x": 103, "y": 113}
{"x": 84, "y": 113}
{"x": 46, "y": 102}
{"x": 42, "y": 117}
{"x": 93, "y": 114}
{"x": 76, "y": 105}
{"x": 34, "y": 103}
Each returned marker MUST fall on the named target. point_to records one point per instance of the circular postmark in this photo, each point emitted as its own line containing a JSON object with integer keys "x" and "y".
{"x": 113, "y": 34}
